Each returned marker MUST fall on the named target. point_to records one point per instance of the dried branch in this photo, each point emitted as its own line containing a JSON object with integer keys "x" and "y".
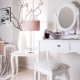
{"x": 34, "y": 13}
{"x": 16, "y": 26}
{"x": 36, "y": 9}
{"x": 35, "y": 16}
{"x": 26, "y": 17}
{"x": 23, "y": 4}
{"x": 14, "y": 17}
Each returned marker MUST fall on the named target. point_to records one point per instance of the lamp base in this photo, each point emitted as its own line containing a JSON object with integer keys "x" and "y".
{"x": 31, "y": 49}
{"x": 30, "y": 52}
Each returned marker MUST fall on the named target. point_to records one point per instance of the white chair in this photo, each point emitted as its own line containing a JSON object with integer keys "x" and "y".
{"x": 51, "y": 68}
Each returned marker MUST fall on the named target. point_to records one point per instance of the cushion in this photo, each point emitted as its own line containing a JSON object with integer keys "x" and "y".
{"x": 51, "y": 65}
{"x": 1, "y": 46}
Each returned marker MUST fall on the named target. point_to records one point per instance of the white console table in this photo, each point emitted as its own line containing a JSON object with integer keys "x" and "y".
{"x": 17, "y": 54}
{"x": 62, "y": 46}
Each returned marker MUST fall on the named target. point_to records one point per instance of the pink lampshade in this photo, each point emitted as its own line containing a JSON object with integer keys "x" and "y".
{"x": 31, "y": 25}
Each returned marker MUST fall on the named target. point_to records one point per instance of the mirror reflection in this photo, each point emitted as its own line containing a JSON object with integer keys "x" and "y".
{"x": 66, "y": 17}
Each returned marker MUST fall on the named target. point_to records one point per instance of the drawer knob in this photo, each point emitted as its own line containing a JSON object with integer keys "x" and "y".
{"x": 59, "y": 45}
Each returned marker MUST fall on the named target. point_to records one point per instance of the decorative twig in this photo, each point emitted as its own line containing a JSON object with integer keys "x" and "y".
{"x": 29, "y": 13}
{"x": 36, "y": 9}
{"x": 26, "y": 17}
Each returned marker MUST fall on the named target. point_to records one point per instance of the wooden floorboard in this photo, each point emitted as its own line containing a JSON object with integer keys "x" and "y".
{"x": 26, "y": 74}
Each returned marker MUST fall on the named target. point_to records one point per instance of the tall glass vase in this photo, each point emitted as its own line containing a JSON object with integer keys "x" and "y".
{"x": 22, "y": 41}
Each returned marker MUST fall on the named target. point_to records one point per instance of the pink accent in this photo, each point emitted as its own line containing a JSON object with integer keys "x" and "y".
{"x": 31, "y": 25}
{"x": 74, "y": 29}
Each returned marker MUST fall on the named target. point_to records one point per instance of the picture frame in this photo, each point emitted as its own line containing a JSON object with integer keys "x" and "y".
{"x": 5, "y": 15}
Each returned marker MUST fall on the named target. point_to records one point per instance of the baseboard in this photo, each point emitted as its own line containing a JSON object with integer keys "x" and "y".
{"x": 28, "y": 67}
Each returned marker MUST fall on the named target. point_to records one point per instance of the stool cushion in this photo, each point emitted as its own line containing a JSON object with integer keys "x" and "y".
{"x": 51, "y": 65}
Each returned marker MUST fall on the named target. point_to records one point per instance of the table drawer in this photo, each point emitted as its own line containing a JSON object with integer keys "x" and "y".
{"x": 54, "y": 46}
{"x": 75, "y": 46}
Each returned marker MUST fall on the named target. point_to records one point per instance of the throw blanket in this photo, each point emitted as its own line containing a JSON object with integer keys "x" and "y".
{"x": 5, "y": 64}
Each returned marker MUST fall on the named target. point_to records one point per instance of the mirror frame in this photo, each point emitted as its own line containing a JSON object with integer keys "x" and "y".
{"x": 75, "y": 13}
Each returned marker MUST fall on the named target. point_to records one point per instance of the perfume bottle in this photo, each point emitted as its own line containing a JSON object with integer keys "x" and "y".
{"x": 46, "y": 35}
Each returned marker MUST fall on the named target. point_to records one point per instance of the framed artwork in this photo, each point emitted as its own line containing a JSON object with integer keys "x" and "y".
{"x": 5, "y": 15}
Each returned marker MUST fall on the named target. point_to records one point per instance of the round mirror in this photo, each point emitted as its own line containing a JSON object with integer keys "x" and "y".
{"x": 66, "y": 16}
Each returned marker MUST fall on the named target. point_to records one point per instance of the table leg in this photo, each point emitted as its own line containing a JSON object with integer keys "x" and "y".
{"x": 12, "y": 66}
{"x": 16, "y": 65}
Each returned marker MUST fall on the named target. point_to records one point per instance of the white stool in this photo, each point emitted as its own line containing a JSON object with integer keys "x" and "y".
{"x": 51, "y": 68}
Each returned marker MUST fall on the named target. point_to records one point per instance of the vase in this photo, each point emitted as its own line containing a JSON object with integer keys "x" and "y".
{"x": 22, "y": 41}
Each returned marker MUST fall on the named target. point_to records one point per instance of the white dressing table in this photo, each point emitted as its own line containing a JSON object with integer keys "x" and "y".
{"x": 62, "y": 46}
{"x": 66, "y": 22}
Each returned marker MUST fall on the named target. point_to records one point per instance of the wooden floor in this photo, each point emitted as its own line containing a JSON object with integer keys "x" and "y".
{"x": 26, "y": 74}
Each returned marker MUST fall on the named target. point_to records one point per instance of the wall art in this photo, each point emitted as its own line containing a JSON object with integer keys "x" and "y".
{"x": 5, "y": 15}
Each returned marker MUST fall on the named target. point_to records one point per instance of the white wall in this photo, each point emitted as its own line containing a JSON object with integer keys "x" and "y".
{"x": 9, "y": 34}
{"x": 6, "y": 33}
{"x": 15, "y": 30}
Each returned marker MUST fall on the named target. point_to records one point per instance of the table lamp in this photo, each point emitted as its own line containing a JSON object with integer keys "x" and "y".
{"x": 31, "y": 25}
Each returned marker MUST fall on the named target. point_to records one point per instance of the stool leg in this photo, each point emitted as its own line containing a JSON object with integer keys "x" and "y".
{"x": 67, "y": 74}
{"x": 47, "y": 77}
{"x": 51, "y": 76}
{"x": 39, "y": 76}
{"x": 35, "y": 75}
